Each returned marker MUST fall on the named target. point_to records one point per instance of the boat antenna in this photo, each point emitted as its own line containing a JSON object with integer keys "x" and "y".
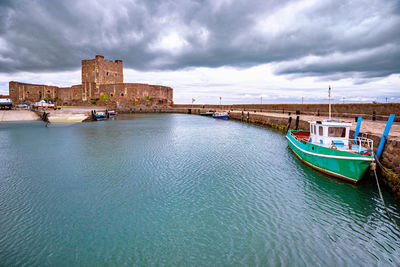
{"x": 329, "y": 102}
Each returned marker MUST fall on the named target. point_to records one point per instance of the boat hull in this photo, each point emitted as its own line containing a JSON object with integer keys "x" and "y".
{"x": 345, "y": 165}
{"x": 224, "y": 117}
{"x": 100, "y": 117}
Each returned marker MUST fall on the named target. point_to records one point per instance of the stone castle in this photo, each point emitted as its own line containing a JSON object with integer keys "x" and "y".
{"x": 101, "y": 80}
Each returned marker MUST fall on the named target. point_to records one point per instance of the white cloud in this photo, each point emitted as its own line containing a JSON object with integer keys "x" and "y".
{"x": 234, "y": 85}
{"x": 172, "y": 43}
{"x": 217, "y": 5}
{"x": 248, "y": 85}
{"x": 62, "y": 79}
{"x": 289, "y": 17}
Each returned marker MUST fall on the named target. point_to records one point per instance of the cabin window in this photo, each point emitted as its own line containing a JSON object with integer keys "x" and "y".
{"x": 312, "y": 129}
{"x": 115, "y": 75}
{"x": 321, "y": 130}
{"x": 337, "y": 132}
{"x": 315, "y": 129}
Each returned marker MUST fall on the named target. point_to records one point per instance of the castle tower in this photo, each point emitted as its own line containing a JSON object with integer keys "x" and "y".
{"x": 99, "y": 71}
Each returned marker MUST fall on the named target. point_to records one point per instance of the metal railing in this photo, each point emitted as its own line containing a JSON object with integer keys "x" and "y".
{"x": 362, "y": 143}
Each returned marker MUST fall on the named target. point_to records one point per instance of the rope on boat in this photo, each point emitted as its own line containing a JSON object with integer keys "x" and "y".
{"x": 381, "y": 196}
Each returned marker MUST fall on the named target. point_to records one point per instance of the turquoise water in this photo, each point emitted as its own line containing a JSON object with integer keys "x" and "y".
{"x": 174, "y": 189}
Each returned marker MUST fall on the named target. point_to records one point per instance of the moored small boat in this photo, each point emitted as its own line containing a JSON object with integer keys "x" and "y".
{"x": 112, "y": 113}
{"x": 220, "y": 115}
{"x": 100, "y": 116}
{"x": 5, "y": 103}
{"x": 207, "y": 114}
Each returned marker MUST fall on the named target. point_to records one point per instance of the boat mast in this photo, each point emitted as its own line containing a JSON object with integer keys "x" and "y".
{"x": 329, "y": 102}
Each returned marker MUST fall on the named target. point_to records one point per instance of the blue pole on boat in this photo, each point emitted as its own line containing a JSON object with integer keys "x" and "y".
{"x": 385, "y": 135}
{"x": 357, "y": 129}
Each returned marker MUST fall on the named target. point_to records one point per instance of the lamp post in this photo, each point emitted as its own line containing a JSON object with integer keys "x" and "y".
{"x": 330, "y": 102}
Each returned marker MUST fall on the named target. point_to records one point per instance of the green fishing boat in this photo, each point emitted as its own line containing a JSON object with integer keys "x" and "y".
{"x": 327, "y": 148}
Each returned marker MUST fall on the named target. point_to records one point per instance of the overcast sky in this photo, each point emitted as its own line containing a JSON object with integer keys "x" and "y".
{"x": 239, "y": 50}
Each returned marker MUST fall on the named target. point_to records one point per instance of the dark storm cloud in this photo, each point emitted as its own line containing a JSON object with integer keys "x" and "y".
{"x": 378, "y": 62}
{"x": 299, "y": 37}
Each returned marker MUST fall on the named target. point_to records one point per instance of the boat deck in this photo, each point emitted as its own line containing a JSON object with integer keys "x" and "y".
{"x": 353, "y": 146}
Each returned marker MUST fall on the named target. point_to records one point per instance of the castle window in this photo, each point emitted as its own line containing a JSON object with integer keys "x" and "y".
{"x": 111, "y": 95}
{"x": 122, "y": 94}
{"x": 115, "y": 75}
{"x": 48, "y": 91}
{"x": 107, "y": 73}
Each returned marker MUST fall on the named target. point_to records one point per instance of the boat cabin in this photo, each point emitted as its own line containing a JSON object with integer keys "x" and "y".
{"x": 329, "y": 133}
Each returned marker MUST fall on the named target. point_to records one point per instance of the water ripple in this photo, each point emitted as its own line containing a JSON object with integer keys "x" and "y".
{"x": 179, "y": 190}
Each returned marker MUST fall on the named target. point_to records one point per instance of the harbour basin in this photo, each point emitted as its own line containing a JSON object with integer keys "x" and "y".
{"x": 176, "y": 189}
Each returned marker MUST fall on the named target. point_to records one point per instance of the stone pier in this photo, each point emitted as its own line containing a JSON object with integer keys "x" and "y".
{"x": 18, "y": 115}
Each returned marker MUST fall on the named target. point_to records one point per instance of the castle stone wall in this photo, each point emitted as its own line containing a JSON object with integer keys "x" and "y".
{"x": 24, "y": 92}
{"x": 99, "y": 76}
{"x": 127, "y": 92}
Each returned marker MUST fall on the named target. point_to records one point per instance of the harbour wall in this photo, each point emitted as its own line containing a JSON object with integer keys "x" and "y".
{"x": 366, "y": 110}
{"x": 18, "y": 115}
